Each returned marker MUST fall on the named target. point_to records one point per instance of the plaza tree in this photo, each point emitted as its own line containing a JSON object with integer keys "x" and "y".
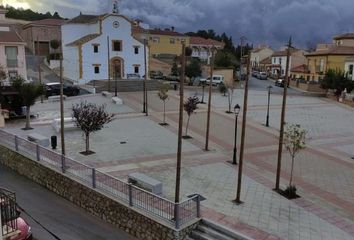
{"x": 223, "y": 89}
{"x": 163, "y": 95}
{"x": 230, "y": 94}
{"x": 190, "y": 105}
{"x": 90, "y": 118}
{"x": 28, "y": 92}
{"x": 294, "y": 142}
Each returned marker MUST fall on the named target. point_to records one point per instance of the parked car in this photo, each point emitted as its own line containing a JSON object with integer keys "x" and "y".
{"x": 279, "y": 83}
{"x": 263, "y": 76}
{"x": 52, "y": 89}
{"x": 156, "y": 75}
{"x": 23, "y": 226}
{"x": 171, "y": 77}
{"x": 217, "y": 79}
{"x": 133, "y": 76}
{"x": 255, "y": 73}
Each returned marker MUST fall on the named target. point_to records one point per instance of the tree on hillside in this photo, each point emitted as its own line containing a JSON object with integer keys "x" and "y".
{"x": 55, "y": 44}
{"x": 28, "y": 92}
{"x": 190, "y": 105}
{"x": 193, "y": 69}
{"x": 90, "y": 118}
{"x": 28, "y": 14}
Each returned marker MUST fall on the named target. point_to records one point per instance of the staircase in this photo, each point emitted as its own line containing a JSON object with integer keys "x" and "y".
{"x": 125, "y": 85}
{"x": 207, "y": 230}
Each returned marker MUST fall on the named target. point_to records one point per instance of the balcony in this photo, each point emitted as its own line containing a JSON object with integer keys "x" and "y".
{"x": 12, "y": 63}
{"x": 319, "y": 69}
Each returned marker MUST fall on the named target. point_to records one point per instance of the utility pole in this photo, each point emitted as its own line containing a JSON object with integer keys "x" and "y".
{"x": 109, "y": 64}
{"x": 241, "y": 55}
{"x": 144, "y": 84}
{"x": 282, "y": 120}
{"x": 39, "y": 68}
{"x": 209, "y": 100}
{"x": 243, "y": 134}
{"x": 1, "y": 237}
{"x": 180, "y": 125}
{"x": 62, "y": 108}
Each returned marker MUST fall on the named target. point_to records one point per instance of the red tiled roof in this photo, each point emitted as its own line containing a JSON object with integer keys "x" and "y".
{"x": 10, "y": 37}
{"x": 204, "y": 41}
{"x": 267, "y": 60}
{"x": 84, "y": 19}
{"x": 300, "y": 69}
{"x": 344, "y": 36}
{"x": 83, "y": 40}
{"x": 164, "y": 32}
{"x": 49, "y": 21}
{"x": 335, "y": 50}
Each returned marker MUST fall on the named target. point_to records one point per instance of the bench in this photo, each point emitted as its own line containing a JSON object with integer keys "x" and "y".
{"x": 69, "y": 124}
{"x": 39, "y": 139}
{"x": 145, "y": 182}
{"x": 106, "y": 94}
{"x": 117, "y": 100}
{"x": 55, "y": 98}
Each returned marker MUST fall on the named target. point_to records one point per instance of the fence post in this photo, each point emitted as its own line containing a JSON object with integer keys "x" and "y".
{"x": 38, "y": 153}
{"x": 16, "y": 143}
{"x": 93, "y": 178}
{"x": 198, "y": 206}
{"x": 177, "y": 215}
{"x": 130, "y": 188}
{"x": 63, "y": 163}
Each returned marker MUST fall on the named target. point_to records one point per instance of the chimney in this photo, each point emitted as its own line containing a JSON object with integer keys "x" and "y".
{"x": 172, "y": 28}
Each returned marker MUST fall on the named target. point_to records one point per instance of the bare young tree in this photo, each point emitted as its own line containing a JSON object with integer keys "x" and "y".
{"x": 90, "y": 118}
{"x": 230, "y": 94}
{"x": 190, "y": 105}
{"x": 294, "y": 141}
{"x": 163, "y": 95}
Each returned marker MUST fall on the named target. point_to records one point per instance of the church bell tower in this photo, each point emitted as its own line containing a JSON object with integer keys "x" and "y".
{"x": 114, "y": 6}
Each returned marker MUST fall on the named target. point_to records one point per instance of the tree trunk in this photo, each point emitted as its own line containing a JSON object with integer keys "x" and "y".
{"x": 87, "y": 143}
{"x": 164, "y": 111}
{"x": 187, "y": 124}
{"x": 28, "y": 115}
{"x": 229, "y": 102}
{"x": 291, "y": 171}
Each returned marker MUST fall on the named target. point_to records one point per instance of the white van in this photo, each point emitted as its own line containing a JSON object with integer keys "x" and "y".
{"x": 217, "y": 79}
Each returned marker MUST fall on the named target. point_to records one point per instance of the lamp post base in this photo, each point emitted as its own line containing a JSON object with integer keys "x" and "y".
{"x": 237, "y": 202}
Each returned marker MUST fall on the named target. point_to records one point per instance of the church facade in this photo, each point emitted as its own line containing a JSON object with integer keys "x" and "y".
{"x": 98, "y": 47}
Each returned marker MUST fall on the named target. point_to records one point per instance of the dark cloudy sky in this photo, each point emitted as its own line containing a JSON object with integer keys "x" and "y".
{"x": 261, "y": 21}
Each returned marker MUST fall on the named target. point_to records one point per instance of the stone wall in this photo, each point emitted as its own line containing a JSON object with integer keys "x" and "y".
{"x": 130, "y": 220}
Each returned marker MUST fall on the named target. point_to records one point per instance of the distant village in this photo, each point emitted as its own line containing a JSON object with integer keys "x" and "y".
{"x": 113, "y": 46}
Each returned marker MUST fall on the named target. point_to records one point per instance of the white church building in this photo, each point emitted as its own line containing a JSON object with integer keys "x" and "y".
{"x": 98, "y": 47}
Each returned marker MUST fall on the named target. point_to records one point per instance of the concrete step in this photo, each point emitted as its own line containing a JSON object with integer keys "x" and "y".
{"x": 215, "y": 234}
{"x": 198, "y": 235}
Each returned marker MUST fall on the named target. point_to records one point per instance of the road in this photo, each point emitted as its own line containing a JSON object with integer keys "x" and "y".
{"x": 261, "y": 85}
{"x": 58, "y": 215}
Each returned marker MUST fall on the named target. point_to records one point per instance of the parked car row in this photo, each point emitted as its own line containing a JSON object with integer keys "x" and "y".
{"x": 52, "y": 89}
{"x": 217, "y": 80}
{"x": 260, "y": 75}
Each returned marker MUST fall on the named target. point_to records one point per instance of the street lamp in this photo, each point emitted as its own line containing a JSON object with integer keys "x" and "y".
{"x": 267, "y": 120}
{"x": 237, "y": 111}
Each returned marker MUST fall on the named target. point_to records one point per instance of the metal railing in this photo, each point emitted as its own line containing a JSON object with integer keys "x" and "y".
{"x": 8, "y": 212}
{"x": 174, "y": 214}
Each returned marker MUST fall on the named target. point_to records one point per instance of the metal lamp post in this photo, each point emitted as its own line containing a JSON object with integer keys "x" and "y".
{"x": 237, "y": 111}
{"x": 267, "y": 120}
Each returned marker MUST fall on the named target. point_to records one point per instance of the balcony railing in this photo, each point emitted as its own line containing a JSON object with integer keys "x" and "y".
{"x": 12, "y": 63}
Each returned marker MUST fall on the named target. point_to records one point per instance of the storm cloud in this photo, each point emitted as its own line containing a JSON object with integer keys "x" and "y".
{"x": 261, "y": 21}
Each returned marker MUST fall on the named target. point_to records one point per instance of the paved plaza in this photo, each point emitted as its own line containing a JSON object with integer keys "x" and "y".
{"x": 324, "y": 171}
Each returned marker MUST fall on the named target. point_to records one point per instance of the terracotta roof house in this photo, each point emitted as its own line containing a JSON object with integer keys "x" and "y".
{"x": 162, "y": 42}
{"x": 12, "y": 54}
{"x": 201, "y": 47}
{"x": 259, "y": 54}
{"x": 278, "y": 66}
{"x": 38, "y": 34}
{"x": 346, "y": 39}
